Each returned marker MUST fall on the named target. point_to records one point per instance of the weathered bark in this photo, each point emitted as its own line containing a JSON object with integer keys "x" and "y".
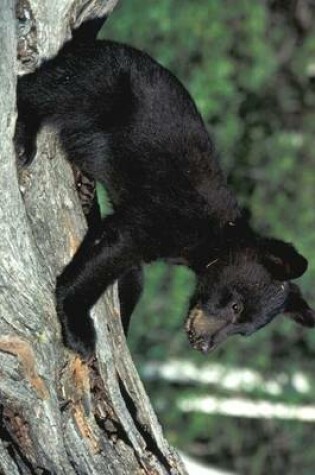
{"x": 59, "y": 414}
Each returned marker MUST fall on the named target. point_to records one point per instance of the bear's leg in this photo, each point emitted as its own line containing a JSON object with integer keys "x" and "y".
{"x": 96, "y": 265}
{"x": 130, "y": 287}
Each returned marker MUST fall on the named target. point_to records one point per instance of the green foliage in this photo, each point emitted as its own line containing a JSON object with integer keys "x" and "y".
{"x": 250, "y": 68}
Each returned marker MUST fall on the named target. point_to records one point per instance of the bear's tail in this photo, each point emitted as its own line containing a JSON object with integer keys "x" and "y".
{"x": 88, "y": 30}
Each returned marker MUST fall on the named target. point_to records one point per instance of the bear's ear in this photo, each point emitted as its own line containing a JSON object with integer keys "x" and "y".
{"x": 298, "y": 309}
{"x": 282, "y": 260}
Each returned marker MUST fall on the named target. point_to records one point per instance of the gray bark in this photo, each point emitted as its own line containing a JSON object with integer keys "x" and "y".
{"x": 58, "y": 414}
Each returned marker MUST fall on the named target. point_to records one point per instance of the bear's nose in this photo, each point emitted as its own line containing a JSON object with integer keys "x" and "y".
{"x": 199, "y": 323}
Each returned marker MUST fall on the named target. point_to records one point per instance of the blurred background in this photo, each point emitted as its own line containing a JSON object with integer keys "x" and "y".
{"x": 248, "y": 408}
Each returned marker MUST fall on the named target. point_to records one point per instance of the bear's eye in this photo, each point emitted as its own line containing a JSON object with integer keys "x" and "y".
{"x": 237, "y": 308}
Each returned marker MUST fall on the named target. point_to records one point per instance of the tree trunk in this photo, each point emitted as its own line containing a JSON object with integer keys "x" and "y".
{"x": 59, "y": 414}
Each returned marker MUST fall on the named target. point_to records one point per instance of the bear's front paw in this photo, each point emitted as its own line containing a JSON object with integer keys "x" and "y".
{"x": 25, "y": 145}
{"x": 77, "y": 326}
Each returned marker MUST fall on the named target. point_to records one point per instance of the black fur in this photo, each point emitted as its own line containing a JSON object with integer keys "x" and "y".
{"x": 129, "y": 123}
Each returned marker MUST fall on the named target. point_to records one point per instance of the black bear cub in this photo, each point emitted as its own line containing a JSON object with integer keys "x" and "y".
{"x": 130, "y": 124}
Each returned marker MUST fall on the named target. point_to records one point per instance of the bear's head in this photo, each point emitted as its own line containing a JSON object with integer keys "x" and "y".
{"x": 243, "y": 289}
